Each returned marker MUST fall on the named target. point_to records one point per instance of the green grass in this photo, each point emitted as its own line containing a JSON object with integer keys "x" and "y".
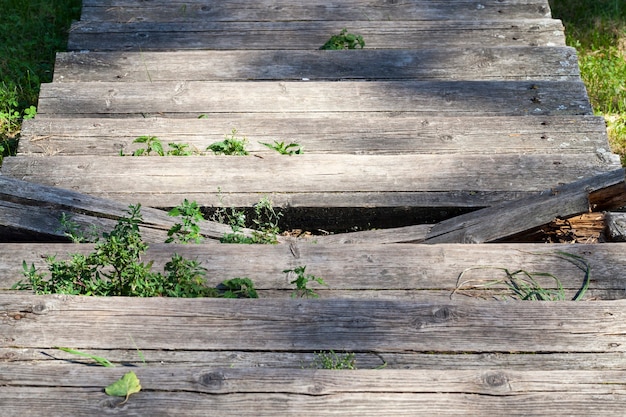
{"x": 597, "y": 29}
{"x": 30, "y": 33}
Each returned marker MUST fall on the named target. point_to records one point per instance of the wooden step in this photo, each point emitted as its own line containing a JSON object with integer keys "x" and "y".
{"x": 320, "y": 10}
{"x": 478, "y": 63}
{"x": 293, "y": 325}
{"x": 419, "y": 98}
{"x": 311, "y": 180}
{"x": 149, "y": 36}
{"x": 373, "y": 271}
{"x": 192, "y": 390}
{"x": 325, "y": 133}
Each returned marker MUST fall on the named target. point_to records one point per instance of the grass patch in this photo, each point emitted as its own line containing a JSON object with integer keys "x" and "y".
{"x": 597, "y": 29}
{"x": 31, "y": 32}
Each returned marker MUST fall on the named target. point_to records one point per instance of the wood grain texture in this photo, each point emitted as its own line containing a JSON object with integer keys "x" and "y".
{"x": 238, "y": 359}
{"x": 38, "y": 208}
{"x": 468, "y": 63}
{"x": 421, "y": 98}
{"x": 308, "y": 325}
{"x": 166, "y": 181}
{"x": 418, "y": 270}
{"x": 92, "y": 402}
{"x": 616, "y": 226}
{"x": 327, "y": 133}
{"x": 241, "y": 10}
{"x": 151, "y": 36}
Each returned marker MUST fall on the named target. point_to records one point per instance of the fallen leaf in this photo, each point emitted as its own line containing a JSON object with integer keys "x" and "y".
{"x": 124, "y": 387}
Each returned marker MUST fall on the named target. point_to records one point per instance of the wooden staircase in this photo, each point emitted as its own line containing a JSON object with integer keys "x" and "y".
{"x": 451, "y": 107}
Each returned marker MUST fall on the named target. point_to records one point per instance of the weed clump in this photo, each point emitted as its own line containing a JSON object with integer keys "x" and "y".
{"x": 115, "y": 268}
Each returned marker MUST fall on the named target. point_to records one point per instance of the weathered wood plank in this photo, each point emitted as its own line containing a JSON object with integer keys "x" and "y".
{"x": 507, "y": 218}
{"x": 149, "y": 36}
{"x": 61, "y": 402}
{"x": 307, "y": 180}
{"x": 450, "y": 98}
{"x": 510, "y": 218}
{"x": 241, "y": 10}
{"x": 236, "y": 359}
{"x": 478, "y": 63}
{"x": 37, "y": 209}
{"x": 325, "y": 133}
{"x": 321, "y": 382}
{"x": 616, "y": 226}
{"x": 309, "y": 325}
{"x": 414, "y": 269}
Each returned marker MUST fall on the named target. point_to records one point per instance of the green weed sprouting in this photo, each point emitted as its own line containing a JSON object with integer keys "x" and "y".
{"x": 285, "y": 149}
{"x": 114, "y": 268}
{"x": 524, "y": 285}
{"x": 231, "y": 145}
{"x": 334, "y": 361}
{"x": 189, "y": 229}
{"x": 302, "y": 280}
{"x": 344, "y": 40}
{"x": 265, "y": 224}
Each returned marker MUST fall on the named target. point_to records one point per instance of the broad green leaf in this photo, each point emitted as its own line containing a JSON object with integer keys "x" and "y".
{"x": 124, "y": 387}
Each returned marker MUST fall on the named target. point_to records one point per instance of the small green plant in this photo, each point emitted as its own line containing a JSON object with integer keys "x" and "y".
{"x": 189, "y": 229}
{"x": 344, "y": 40}
{"x": 237, "y": 288}
{"x": 231, "y": 145}
{"x": 74, "y": 232}
{"x": 115, "y": 268}
{"x": 333, "y": 360}
{"x": 302, "y": 281}
{"x": 265, "y": 223}
{"x": 153, "y": 144}
{"x": 98, "y": 359}
{"x": 285, "y": 149}
{"x": 524, "y": 285}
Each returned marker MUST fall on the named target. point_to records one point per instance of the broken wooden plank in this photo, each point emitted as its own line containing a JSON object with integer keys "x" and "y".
{"x": 36, "y": 209}
{"x": 511, "y": 217}
{"x": 370, "y": 270}
{"x": 616, "y": 226}
{"x": 495, "y": 223}
{"x": 308, "y": 180}
{"x": 287, "y": 324}
{"x": 477, "y": 63}
{"x": 420, "y": 98}
{"x": 151, "y": 36}
{"x": 324, "y": 133}
{"x": 265, "y": 10}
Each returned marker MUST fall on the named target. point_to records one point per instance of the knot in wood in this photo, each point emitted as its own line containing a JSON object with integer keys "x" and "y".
{"x": 496, "y": 379}
{"x": 40, "y": 308}
{"x": 443, "y": 314}
{"x": 213, "y": 380}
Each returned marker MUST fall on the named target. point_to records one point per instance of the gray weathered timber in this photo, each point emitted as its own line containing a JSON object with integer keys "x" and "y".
{"x": 417, "y": 270}
{"x": 236, "y": 359}
{"x": 616, "y": 226}
{"x": 308, "y": 180}
{"x": 318, "y": 392}
{"x": 150, "y": 36}
{"x": 421, "y": 98}
{"x": 352, "y": 10}
{"x": 309, "y": 325}
{"x": 37, "y": 208}
{"x": 91, "y": 402}
{"x": 467, "y": 63}
{"x": 325, "y": 133}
